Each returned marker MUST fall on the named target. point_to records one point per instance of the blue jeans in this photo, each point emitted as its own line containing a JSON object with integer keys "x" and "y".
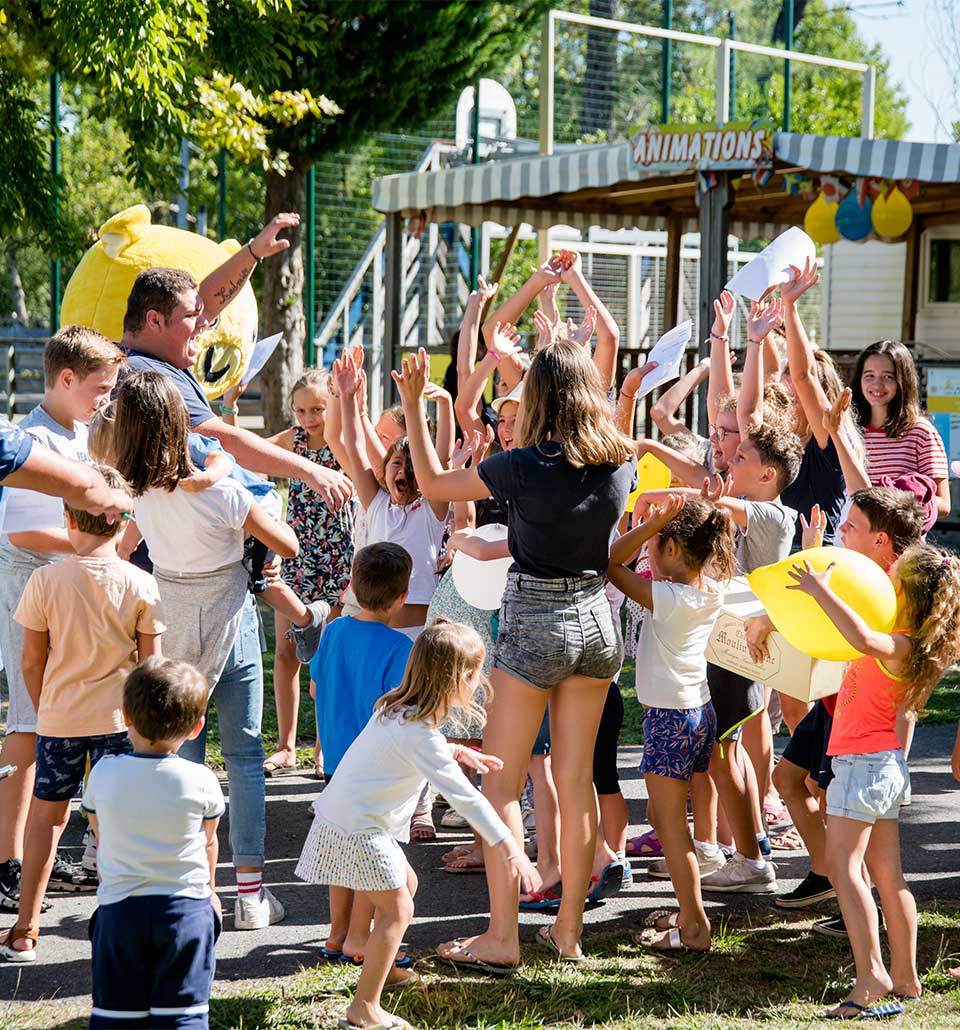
{"x": 238, "y": 697}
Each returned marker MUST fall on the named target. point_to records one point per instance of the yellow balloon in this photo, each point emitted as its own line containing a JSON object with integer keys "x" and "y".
{"x": 855, "y": 579}
{"x": 892, "y": 215}
{"x": 820, "y": 221}
{"x": 652, "y": 474}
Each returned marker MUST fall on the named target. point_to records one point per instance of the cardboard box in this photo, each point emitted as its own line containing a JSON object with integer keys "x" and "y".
{"x": 785, "y": 669}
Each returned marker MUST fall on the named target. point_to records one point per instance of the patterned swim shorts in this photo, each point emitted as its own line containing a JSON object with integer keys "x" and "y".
{"x": 62, "y": 762}
{"x": 678, "y": 742}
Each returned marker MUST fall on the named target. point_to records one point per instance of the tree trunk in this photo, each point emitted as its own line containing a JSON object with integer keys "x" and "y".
{"x": 20, "y": 312}
{"x": 282, "y": 310}
{"x": 599, "y": 80}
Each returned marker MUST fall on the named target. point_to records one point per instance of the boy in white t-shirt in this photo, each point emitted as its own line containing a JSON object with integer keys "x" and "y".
{"x": 156, "y": 929}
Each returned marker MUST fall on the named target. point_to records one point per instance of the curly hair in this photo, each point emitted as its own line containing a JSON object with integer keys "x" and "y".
{"x": 930, "y": 579}
{"x": 704, "y": 535}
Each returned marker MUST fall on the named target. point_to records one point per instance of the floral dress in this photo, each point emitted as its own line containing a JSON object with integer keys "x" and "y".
{"x": 321, "y": 571}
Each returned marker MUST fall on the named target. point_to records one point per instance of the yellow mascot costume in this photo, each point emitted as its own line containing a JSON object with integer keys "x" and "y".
{"x": 96, "y": 295}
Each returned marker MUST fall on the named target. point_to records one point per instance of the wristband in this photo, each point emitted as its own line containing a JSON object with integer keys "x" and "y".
{"x": 493, "y": 354}
{"x": 714, "y": 336}
{"x": 750, "y": 339}
{"x": 228, "y": 411}
{"x": 254, "y": 256}
{"x": 629, "y": 396}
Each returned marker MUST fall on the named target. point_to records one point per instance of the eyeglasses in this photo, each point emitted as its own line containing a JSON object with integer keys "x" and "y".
{"x": 720, "y": 433}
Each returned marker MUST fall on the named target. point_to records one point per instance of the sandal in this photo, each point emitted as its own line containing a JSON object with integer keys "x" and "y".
{"x": 855, "y": 1011}
{"x": 546, "y": 899}
{"x": 402, "y": 961}
{"x": 465, "y": 864}
{"x": 651, "y": 919}
{"x": 19, "y": 933}
{"x": 421, "y": 827}
{"x": 465, "y": 960}
{"x": 545, "y": 937}
{"x": 789, "y": 840}
{"x": 647, "y": 845}
{"x": 610, "y": 881}
{"x": 274, "y": 766}
{"x": 674, "y": 942}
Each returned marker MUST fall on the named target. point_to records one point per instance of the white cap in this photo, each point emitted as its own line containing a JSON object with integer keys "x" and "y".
{"x": 514, "y": 395}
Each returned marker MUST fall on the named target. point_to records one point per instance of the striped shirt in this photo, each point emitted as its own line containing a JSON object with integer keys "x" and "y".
{"x": 920, "y": 449}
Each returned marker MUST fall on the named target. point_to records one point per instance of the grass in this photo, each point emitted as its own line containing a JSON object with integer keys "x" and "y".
{"x": 762, "y": 971}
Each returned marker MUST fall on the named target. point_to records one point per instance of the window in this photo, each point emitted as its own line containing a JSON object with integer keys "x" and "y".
{"x": 945, "y": 271}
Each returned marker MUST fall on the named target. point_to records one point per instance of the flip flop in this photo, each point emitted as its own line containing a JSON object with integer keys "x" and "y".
{"x": 274, "y": 767}
{"x": 887, "y": 1010}
{"x": 413, "y": 980}
{"x": 544, "y": 900}
{"x": 422, "y": 828}
{"x": 788, "y": 840}
{"x": 545, "y": 939}
{"x": 467, "y": 864}
{"x": 647, "y": 845}
{"x": 396, "y": 1023}
{"x": 857, "y": 1012}
{"x": 608, "y": 882}
{"x": 402, "y": 961}
{"x": 331, "y": 954}
{"x": 470, "y": 963}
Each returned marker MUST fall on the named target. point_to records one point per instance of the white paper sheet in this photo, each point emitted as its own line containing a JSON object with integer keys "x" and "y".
{"x": 771, "y": 267}
{"x": 262, "y": 350}
{"x": 26, "y": 510}
{"x": 668, "y": 354}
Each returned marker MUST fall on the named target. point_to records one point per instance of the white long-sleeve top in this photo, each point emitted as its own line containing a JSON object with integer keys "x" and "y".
{"x": 379, "y": 779}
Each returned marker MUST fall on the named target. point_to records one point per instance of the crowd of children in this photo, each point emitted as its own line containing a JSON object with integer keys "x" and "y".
{"x": 411, "y": 681}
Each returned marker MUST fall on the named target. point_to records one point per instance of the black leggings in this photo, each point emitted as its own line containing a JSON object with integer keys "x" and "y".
{"x": 606, "y": 779}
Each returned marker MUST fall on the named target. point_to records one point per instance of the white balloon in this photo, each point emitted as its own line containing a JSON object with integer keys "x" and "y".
{"x": 481, "y": 583}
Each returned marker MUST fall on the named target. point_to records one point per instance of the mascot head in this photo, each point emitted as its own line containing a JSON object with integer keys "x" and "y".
{"x": 96, "y": 295}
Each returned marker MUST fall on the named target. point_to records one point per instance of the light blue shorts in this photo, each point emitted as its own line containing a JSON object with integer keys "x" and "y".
{"x": 868, "y": 787}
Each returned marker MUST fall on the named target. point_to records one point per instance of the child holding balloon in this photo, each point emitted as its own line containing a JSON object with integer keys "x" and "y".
{"x": 870, "y": 773}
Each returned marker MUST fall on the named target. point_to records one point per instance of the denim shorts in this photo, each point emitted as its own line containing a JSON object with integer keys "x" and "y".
{"x": 678, "y": 742}
{"x": 554, "y": 628}
{"x": 868, "y": 787}
{"x": 62, "y": 762}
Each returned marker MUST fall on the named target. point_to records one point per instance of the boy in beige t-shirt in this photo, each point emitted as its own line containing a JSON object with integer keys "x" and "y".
{"x": 88, "y": 621}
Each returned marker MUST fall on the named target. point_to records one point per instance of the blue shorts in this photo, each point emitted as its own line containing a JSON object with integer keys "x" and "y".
{"x": 678, "y": 742}
{"x": 153, "y": 963}
{"x": 868, "y": 787}
{"x": 62, "y": 762}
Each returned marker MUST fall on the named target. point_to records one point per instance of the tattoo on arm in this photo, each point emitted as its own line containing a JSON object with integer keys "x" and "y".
{"x": 226, "y": 293}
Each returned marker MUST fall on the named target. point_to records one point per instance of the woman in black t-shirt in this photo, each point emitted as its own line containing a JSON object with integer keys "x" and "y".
{"x": 565, "y": 487}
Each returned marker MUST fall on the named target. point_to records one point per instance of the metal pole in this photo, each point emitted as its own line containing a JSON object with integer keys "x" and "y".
{"x": 222, "y": 194}
{"x": 183, "y": 183}
{"x": 666, "y": 64}
{"x": 310, "y": 271}
{"x": 869, "y": 102}
{"x": 787, "y": 73}
{"x": 55, "y": 172}
{"x": 475, "y": 229}
{"x": 547, "y": 41}
{"x": 733, "y": 68}
{"x": 723, "y": 81}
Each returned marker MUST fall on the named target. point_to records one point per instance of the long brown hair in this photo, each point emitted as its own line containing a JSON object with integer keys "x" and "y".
{"x": 442, "y": 659}
{"x": 930, "y": 579}
{"x": 150, "y": 431}
{"x": 563, "y": 400}
{"x": 904, "y": 410}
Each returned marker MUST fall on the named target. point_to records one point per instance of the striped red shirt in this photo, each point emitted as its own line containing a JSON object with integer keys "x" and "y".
{"x": 920, "y": 449}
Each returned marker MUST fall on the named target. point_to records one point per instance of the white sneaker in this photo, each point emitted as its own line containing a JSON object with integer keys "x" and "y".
{"x": 738, "y": 876}
{"x": 453, "y": 820}
{"x": 89, "y": 860}
{"x": 708, "y": 864}
{"x": 257, "y": 911}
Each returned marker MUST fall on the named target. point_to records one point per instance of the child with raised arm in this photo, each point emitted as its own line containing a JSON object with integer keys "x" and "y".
{"x": 684, "y": 538}
{"x": 870, "y": 775}
{"x": 87, "y": 621}
{"x": 159, "y": 917}
{"x": 366, "y": 808}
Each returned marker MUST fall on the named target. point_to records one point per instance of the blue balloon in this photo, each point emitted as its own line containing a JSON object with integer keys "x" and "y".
{"x": 853, "y": 221}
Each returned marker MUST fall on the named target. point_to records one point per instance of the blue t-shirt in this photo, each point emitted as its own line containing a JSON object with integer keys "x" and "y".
{"x": 198, "y": 407}
{"x": 201, "y": 447}
{"x": 355, "y": 665}
{"x": 15, "y": 447}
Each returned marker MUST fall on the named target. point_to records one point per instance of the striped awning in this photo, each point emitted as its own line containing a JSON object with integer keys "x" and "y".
{"x": 537, "y": 189}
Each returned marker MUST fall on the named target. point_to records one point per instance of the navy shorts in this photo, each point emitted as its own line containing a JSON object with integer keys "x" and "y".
{"x": 736, "y": 700}
{"x": 541, "y": 746}
{"x": 153, "y": 963}
{"x": 678, "y": 742}
{"x": 62, "y": 762}
{"x": 807, "y": 747}
{"x": 606, "y": 777}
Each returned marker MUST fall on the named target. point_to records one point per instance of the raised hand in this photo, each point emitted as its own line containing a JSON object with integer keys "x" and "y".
{"x": 412, "y": 381}
{"x": 813, "y": 530}
{"x": 486, "y": 291}
{"x": 833, "y": 419}
{"x": 505, "y": 340}
{"x": 473, "y": 446}
{"x": 581, "y": 334}
{"x": 346, "y": 378}
{"x": 801, "y": 281}
{"x": 572, "y": 265}
{"x": 362, "y": 392}
{"x": 546, "y": 329}
{"x": 669, "y": 510}
{"x": 433, "y": 392}
{"x": 550, "y": 271}
{"x": 266, "y": 243}
{"x": 715, "y": 488}
{"x": 806, "y": 580}
{"x": 764, "y": 316}
{"x": 633, "y": 380}
{"x": 723, "y": 309}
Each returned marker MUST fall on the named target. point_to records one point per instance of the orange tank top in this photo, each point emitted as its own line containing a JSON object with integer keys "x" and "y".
{"x": 865, "y": 716}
